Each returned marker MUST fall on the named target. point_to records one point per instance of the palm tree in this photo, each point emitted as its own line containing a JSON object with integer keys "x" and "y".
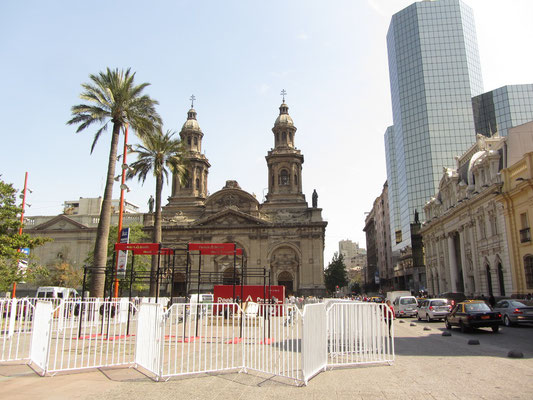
{"x": 112, "y": 96}
{"x": 159, "y": 152}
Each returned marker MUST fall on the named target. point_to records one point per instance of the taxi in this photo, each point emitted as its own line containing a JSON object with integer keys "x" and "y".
{"x": 472, "y": 314}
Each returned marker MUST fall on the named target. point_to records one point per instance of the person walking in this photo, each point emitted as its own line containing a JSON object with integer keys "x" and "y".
{"x": 388, "y": 313}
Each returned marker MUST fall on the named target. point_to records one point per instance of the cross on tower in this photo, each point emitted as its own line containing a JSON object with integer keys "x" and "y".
{"x": 283, "y": 93}
{"x": 192, "y": 98}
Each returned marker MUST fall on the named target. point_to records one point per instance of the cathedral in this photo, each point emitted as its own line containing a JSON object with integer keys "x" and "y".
{"x": 283, "y": 234}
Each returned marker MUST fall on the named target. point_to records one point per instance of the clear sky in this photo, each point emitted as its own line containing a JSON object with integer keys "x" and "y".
{"x": 235, "y": 57}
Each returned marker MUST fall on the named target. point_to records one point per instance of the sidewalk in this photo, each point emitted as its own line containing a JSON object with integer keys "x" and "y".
{"x": 428, "y": 366}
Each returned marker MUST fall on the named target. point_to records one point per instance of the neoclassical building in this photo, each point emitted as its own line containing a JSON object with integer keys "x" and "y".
{"x": 282, "y": 234}
{"x": 465, "y": 233}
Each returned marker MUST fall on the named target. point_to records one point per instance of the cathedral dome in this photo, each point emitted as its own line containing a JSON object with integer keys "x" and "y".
{"x": 191, "y": 123}
{"x": 284, "y": 118}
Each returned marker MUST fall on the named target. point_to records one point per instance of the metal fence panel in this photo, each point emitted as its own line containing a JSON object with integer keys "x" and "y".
{"x": 40, "y": 339}
{"x": 314, "y": 347}
{"x": 358, "y": 334}
{"x": 149, "y": 336}
{"x": 16, "y": 320}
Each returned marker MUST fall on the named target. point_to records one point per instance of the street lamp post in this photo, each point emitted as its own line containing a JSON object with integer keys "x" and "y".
{"x": 121, "y": 209}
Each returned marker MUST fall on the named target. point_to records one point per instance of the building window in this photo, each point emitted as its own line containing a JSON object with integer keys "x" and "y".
{"x": 398, "y": 236}
{"x": 284, "y": 136}
{"x": 189, "y": 140}
{"x": 284, "y": 178}
{"x": 197, "y": 184}
{"x": 196, "y": 141}
{"x": 501, "y": 280}
{"x": 528, "y": 269}
{"x": 525, "y": 235}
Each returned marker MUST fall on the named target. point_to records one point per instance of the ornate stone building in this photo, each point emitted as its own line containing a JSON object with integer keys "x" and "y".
{"x": 283, "y": 234}
{"x": 516, "y": 197}
{"x": 379, "y": 268}
{"x": 464, "y": 234}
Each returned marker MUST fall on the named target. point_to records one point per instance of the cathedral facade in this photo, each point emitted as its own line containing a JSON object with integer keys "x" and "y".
{"x": 282, "y": 235}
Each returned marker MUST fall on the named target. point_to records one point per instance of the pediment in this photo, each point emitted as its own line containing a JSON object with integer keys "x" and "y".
{"x": 234, "y": 198}
{"x": 60, "y": 223}
{"x": 230, "y": 217}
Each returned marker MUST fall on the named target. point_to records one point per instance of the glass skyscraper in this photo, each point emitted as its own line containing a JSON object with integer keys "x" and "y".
{"x": 503, "y": 108}
{"x": 434, "y": 73}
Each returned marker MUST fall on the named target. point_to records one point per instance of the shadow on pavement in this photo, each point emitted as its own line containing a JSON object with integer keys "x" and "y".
{"x": 432, "y": 343}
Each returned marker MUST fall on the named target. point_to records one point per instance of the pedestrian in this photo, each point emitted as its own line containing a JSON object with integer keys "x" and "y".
{"x": 388, "y": 313}
{"x": 492, "y": 301}
{"x": 528, "y": 297}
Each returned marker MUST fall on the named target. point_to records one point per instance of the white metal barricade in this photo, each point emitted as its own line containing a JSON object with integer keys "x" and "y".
{"x": 40, "y": 339}
{"x": 314, "y": 346}
{"x": 272, "y": 340}
{"x": 149, "y": 340}
{"x": 16, "y": 321}
{"x": 85, "y": 335}
{"x": 198, "y": 338}
{"x": 358, "y": 333}
{"x": 201, "y": 338}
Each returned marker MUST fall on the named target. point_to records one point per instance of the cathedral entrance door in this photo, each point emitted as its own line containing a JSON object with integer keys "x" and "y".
{"x": 285, "y": 279}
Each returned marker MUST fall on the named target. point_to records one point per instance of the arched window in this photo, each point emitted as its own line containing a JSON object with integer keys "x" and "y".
{"x": 284, "y": 136}
{"x": 196, "y": 141}
{"x": 290, "y": 136}
{"x": 197, "y": 184}
{"x": 284, "y": 178}
{"x": 500, "y": 279}
{"x": 295, "y": 179}
{"x": 489, "y": 280}
{"x": 528, "y": 269}
{"x": 189, "y": 140}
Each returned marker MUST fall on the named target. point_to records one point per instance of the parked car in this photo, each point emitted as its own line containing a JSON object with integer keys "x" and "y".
{"x": 430, "y": 309}
{"x": 515, "y": 311}
{"x": 471, "y": 314}
{"x": 405, "y": 306}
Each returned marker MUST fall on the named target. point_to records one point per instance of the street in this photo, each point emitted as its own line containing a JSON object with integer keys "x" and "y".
{"x": 428, "y": 366}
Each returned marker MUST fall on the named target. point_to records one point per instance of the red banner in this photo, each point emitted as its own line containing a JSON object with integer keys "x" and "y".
{"x": 139, "y": 248}
{"x": 224, "y": 293}
{"x": 211, "y": 249}
{"x": 166, "y": 252}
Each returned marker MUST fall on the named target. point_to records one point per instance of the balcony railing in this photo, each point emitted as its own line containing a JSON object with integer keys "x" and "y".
{"x": 525, "y": 235}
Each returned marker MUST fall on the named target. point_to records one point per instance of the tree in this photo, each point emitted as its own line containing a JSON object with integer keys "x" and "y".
{"x": 112, "y": 96}
{"x": 335, "y": 274}
{"x": 11, "y": 241}
{"x": 157, "y": 153}
{"x": 142, "y": 263}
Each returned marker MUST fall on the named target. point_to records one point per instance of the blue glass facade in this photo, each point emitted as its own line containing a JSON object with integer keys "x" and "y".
{"x": 434, "y": 72}
{"x": 503, "y": 108}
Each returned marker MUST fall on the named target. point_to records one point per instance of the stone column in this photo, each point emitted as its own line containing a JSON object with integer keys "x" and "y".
{"x": 453, "y": 263}
{"x": 463, "y": 260}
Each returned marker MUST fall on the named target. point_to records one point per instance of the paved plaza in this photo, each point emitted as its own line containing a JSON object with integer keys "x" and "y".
{"x": 427, "y": 366}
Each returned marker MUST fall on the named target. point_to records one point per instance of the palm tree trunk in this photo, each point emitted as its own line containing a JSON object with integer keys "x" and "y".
{"x": 102, "y": 232}
{"x": 156, "y": 234}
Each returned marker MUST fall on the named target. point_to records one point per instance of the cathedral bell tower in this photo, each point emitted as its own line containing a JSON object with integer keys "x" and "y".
{"x": 194, "y": 192}
{"x": 284, "y": 164}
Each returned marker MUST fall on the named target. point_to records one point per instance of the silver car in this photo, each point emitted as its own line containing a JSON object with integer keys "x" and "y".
{"x": 515, "y": 311}
{"x": 433, "y": 309}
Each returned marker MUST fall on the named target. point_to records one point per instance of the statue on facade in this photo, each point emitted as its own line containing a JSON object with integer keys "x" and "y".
{"x": 151, "y": 204}
{"x": 315, "y": 199}
{"x": 417, "y": 220}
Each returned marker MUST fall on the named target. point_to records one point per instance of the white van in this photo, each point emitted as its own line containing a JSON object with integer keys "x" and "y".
{"x": 405, "y": 306}
{"x": 56, "y": 292}
{"x": 204, "y": 298}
